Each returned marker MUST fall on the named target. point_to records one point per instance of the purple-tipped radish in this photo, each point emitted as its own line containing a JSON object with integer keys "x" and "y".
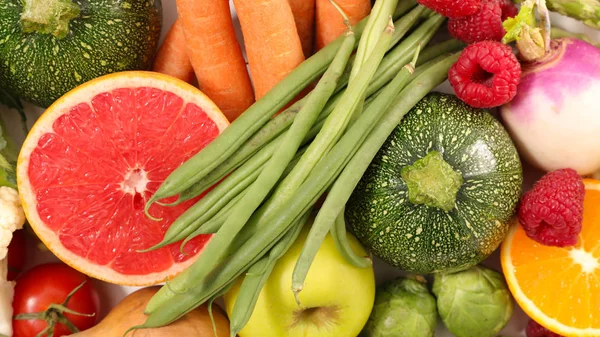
{"x": 555, "y": 117}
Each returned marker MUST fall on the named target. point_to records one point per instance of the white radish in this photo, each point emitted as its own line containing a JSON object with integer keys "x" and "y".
{"x": 555, "y": 117}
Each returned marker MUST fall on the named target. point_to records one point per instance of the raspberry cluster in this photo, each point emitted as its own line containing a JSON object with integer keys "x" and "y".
{"x": 551, "y": 213}
{"x": 487, "y": 73}
{"x": 485, "y": 24}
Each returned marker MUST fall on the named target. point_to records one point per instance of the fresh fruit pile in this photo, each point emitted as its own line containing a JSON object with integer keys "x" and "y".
{"x": 270, "y": 169}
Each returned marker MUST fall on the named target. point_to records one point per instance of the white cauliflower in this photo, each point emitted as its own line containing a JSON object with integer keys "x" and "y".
{"x": 12, "y": 218}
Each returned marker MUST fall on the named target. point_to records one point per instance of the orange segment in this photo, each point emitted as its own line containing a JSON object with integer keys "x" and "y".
{"x": 559, "y": 287}
{"x": 96, "y": 156}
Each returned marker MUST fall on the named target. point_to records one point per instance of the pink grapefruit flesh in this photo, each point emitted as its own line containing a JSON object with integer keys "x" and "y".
{"x": 97, "y": 155}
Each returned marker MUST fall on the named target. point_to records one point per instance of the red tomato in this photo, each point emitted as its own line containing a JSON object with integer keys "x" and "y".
{"x": 48, "y": 284}
{"x": 17, "y": 254}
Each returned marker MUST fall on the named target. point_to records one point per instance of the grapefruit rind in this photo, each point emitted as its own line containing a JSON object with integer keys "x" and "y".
{"x": 43, "y": 125}
{"x": 528, "y": 306}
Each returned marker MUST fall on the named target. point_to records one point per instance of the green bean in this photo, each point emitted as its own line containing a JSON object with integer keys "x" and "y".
{"x": 176, "y": 306}
{"x": 214, "y": 224}
{"x": 338, "y": 233}
{"x": 248, "y": 294}
{"x": 217, "y": 248}
{"x": 380, "y": 13}
{"x": 327, "y": 215}
{"x": 334, "y": 125}
{"x": 421, "y": 36}
{"x": 256, "y": 143}
{"x": 376, "y": 22}
{"x": 424, "y": 32}
{"x": 281, "y": 122}
{"x": 441, "y": 48}
{"x": 212, "y": 300}
{"x": 201, "y": 219}
{"x": 427, "y": 65}
{"x": 253, "y": 118}
{"x": 206, "y": 207}
{"x": 256, "y": 278}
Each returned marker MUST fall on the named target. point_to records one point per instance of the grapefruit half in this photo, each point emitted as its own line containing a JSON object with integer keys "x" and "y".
{"x": 96, "y": 155}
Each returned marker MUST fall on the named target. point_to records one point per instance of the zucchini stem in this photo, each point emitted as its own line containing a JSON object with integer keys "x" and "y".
{"x": 48, "y": 16}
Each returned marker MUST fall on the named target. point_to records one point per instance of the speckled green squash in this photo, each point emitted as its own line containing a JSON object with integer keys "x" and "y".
{"x": 422, "y": 238}
{"x": 105, "y": 36}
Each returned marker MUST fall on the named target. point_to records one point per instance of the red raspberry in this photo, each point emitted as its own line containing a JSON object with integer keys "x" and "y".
{"x": 452, "y": 8}
{"x": 486, "y": 75}
{"x": 509, "y": 10}
{"x": 486, "y": 24}
{"x": 552, "y": 211}
{"x": 534, "y": 329}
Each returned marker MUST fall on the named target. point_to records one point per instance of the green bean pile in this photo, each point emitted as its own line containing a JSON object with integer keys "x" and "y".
{"x": 271, "y": 171}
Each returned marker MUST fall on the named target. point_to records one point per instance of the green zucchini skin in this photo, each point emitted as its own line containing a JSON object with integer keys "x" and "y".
{"x": 108, "y": 36}
{"x": 422, "y": 239}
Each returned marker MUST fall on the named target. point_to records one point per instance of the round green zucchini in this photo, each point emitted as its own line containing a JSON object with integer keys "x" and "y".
{"x": 48, "y": 47}
{"x": 440, "y": 193}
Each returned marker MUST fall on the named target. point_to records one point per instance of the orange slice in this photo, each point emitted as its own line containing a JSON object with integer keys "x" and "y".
{"x": 96, "y": 155}
{"x": 559, "y": 287}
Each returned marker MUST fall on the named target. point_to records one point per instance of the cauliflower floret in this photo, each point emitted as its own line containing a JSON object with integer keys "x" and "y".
{"x": 12, "y": 217}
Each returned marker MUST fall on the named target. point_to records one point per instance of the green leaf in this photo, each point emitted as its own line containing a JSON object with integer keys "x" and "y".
{"x": 8, "y": 150}
{"x": 514, "y": 26}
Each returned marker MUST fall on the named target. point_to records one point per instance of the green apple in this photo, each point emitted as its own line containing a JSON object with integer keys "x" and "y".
{"x": 336, "y": 300}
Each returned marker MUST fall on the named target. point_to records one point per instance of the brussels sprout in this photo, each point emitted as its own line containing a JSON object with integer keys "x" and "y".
{"x": 473, "y": 303}
{"x": 403, "y": 308}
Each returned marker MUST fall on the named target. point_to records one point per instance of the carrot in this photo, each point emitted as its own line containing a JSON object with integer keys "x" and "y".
{"x": 304, "y": 16}
{"x": 272, "y": 42}
{"x": 216, "y": 55}
{"x": 172, "y": 58}
{"x": 329, "y": 24}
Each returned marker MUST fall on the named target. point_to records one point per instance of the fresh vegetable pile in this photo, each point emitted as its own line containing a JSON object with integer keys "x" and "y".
{"x": 281, "y": 172}
{"x": 254, "y": 232}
